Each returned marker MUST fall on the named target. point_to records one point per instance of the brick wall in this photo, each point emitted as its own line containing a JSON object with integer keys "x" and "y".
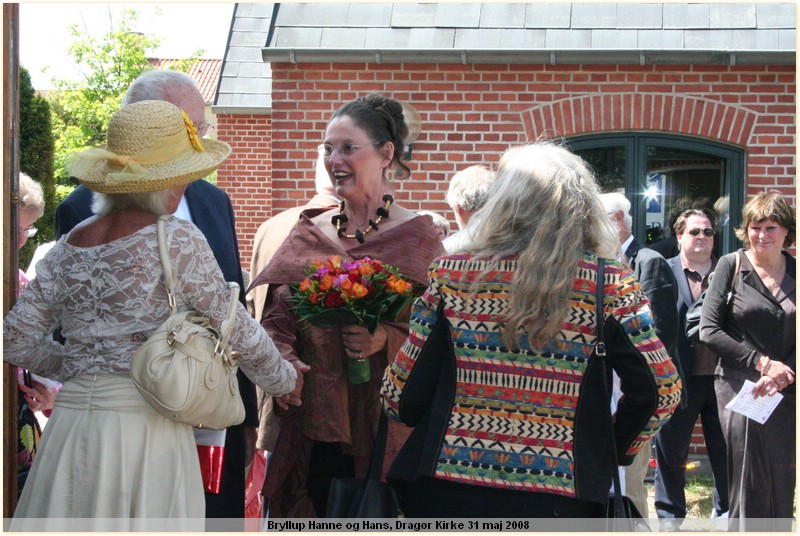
{"x": 472, "y": 113}
{"x": 246, "y": 174}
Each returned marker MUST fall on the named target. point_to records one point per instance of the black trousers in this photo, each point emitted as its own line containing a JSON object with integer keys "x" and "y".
{"x": 436, "y": 498}
{"x": 672, "y": 449}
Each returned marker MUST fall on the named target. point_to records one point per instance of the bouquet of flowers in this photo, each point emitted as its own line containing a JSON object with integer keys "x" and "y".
{"x": 337, "y": 292}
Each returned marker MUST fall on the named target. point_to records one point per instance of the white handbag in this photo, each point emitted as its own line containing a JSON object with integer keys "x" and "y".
{"x": 186, "y": 370}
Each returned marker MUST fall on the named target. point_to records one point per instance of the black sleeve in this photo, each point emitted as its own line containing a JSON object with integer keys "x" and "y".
{"x": 718, "y": 327}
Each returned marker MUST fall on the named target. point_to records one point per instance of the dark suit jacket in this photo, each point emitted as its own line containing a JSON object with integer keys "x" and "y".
{"x": 212, "y": 213}
{"x": 659, "y": 285}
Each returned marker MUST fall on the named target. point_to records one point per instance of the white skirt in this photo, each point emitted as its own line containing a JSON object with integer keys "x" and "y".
{"x": 108, "y": 461}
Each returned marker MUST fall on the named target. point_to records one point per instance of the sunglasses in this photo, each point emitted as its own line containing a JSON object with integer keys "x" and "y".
{"x": 708, "y": 231}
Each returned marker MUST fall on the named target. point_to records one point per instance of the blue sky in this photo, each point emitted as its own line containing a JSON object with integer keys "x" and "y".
{"x": 182, "y": 28}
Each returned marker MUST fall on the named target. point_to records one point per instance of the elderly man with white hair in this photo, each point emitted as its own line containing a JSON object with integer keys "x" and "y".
{"x": 661, "y": 289}
{"x": 468, "y": 191}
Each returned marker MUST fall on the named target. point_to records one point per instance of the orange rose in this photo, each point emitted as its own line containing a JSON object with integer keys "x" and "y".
{"x": 359, "y": 290}
{"x": 326, "y": 283}
{"x": 334, "y": 261}
{"x": 397, "y": 286}
{"x": 306, "y": 285}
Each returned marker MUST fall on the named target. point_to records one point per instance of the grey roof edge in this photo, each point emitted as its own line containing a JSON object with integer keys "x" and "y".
{"x": 538, "y": 56}
{"x": 241, "y": 110}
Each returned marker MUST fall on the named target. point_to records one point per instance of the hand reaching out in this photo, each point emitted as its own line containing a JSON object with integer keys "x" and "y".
{"x": 293, "y": 398}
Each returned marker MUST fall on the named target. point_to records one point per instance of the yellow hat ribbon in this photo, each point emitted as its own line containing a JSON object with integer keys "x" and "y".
{"x": 172, "y": 148}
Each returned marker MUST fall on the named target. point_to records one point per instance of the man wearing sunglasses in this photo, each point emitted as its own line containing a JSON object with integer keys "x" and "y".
{"x": 692, "y": 267}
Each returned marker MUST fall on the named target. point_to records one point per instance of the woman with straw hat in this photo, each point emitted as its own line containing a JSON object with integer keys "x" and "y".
{"x": 106, "y": 456}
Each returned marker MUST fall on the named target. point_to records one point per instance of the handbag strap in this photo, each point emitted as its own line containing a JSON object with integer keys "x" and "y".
{"x": 170, "y": 278}
{"x": 379, "y": 450}
{"x": 736, "y": 266}
{"x": 600, "y": 353}
{"x": 166, "y": 262}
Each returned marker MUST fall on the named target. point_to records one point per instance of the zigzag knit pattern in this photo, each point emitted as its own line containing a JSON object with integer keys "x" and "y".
{"x": 511, "y": 423}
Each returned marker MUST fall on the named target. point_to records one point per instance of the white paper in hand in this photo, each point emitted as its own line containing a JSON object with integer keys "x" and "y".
{"x": 759, "y": 409}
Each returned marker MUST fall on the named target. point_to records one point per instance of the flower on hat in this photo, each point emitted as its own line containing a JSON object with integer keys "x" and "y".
{"x": 192, "y": 130}
{"x": 147, "y": 149}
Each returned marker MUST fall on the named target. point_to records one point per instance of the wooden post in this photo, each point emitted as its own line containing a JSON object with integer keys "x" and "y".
{"x": 10, "y": 252}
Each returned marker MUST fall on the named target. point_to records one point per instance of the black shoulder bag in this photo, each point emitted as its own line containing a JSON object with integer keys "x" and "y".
{"x": 367, "y": 497}
{"x": 695, "y": 311}
{"x": 622, "y": 515}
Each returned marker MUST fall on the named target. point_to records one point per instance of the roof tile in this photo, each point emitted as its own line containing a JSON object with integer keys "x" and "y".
{"x": 594, "y": 16}
{"x": 686, "y": 16}
{"x": 548, "y": 15}
{"x": 458, "y": 15}
{"x": 733, "y": 15}
{"x": 503, "y": 16}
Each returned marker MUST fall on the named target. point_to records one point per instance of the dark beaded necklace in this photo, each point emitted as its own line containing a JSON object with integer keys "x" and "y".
{"x": 340, "y": 220}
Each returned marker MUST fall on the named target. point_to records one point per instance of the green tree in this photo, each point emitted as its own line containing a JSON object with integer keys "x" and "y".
{"x": 107, "y": 66}
{"x": 36, "y": 157}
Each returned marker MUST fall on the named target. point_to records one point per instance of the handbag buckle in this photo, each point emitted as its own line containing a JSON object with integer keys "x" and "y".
{"x": 171, "y": 338}
{"x": 600, "y": 349}
{"x": 229, "y": 358}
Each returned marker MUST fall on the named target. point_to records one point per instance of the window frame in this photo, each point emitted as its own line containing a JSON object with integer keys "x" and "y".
{"x": 636, "y": 146}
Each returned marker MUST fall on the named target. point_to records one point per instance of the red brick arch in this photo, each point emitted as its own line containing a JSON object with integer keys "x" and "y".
{"x": 674, "y": 114}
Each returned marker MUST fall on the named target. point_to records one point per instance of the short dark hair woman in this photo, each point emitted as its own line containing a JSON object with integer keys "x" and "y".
{"x": 754, "y": 335}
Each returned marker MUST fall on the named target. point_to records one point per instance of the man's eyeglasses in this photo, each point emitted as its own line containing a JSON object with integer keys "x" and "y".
{"x": 708, "y": 231}
{"x": 204, "y": 129}
{"x": 346, "y": 149}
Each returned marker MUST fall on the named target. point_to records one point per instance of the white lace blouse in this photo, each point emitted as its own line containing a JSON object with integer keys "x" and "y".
{"x": 108, "y": 299}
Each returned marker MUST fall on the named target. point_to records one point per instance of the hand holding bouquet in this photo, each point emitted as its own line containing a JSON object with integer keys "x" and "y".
{"x": 337, "y": 292}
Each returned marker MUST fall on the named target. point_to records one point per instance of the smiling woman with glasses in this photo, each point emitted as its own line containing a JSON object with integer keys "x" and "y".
{"x": 345, "y": 149}
{"x": 332, "y": 433}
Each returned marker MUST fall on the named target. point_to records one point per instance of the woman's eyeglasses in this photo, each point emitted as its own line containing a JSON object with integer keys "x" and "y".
{"x": 29, "y": 232}
{"x": 708, "y": 231}
{"x": 204, "y": 129}
{"x": 345, "y": 149}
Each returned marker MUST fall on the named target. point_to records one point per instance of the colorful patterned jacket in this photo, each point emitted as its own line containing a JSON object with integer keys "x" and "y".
{"x": 530, "y": 419}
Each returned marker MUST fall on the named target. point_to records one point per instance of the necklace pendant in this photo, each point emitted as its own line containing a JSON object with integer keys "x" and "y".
{"x": 359, "y": 236}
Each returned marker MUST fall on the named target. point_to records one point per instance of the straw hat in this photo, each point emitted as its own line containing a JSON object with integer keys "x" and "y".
{"x": 152, "y": 145}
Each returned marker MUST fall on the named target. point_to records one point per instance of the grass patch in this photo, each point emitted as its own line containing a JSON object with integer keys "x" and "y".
{"x": 699, "y": 498}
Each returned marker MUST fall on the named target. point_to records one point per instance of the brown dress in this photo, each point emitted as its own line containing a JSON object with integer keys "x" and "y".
{"x": 334, "y": 411}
